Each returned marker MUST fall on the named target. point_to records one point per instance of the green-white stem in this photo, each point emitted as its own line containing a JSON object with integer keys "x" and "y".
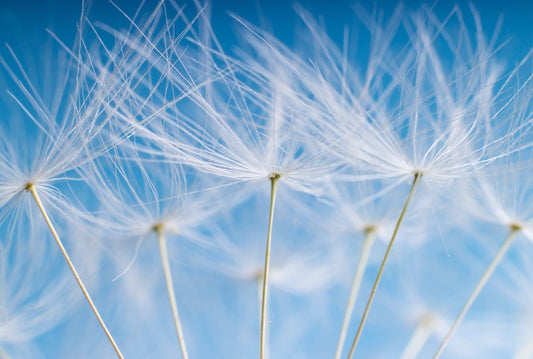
{"x": 264, "y": 306}
{"x": 488, "y": 272}
{"x": 170, "y": 288}
{"x": 419, "y": 338}
{"x": 31, "y": 188}
{"x": 359, "y": 273}
{"x": 416, "y": 181}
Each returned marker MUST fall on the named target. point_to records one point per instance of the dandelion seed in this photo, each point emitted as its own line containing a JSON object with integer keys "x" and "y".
{"x": 65, "y": 134}
{"x": 503, "y": 196}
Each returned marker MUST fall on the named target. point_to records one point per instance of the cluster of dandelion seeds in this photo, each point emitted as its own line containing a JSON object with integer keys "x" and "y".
{"x": 164, "y": 194}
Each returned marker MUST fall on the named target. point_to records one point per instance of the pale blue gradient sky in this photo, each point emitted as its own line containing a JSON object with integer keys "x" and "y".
{"x": 26, "y": 19}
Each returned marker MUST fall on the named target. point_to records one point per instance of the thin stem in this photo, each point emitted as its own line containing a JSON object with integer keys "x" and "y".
{"x": 416, "y": 181}
{"x": 418, "y": 339}
{"x": 170, "y": 288}
{"x": 274, "y": 182}
{"x": 488, "y": 272}
{"x": 31, "y": 188}
{"x": 363, "y": 261}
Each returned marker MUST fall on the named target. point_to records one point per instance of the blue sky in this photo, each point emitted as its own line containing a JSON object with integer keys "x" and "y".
{"x": 23, "y": 23}
{"x": 23, "y": 20}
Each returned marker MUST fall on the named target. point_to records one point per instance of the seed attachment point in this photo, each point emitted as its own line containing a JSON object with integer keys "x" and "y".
{"x": 515, "y": 227}
{"x": 158, "y": 227}
{"x": 371, "y": 228}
